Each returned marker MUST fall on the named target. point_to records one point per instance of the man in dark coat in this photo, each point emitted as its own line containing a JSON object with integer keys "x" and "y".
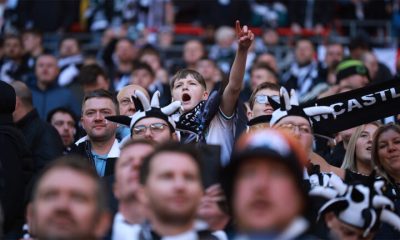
{"x": 15, "y": 164}
{"x": 100, "y": 145}
{"x": 42, "y": 138}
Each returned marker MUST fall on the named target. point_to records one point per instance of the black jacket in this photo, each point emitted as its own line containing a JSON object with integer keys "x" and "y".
{"x": 84, "y": 149}
{"x": 15, "y": 173}
{"x": 43, "y": 139}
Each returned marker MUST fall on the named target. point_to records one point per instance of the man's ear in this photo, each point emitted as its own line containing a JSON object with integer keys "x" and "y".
{"x": 329, "y": 219}
{"x": 17, "y": 103}
{"x": 174, "y": 137}
{"x": 30, "y": 218}
{"x": 249, "y": 112}
{"x": 205, "y": 95}
{"x": 249, "y": 115}
{"x": 103, "y": 224}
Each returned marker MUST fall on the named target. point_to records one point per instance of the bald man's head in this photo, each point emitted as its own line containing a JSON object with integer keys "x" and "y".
{"x": 23, "y": 93}
{"x": 23, "y": 103}
{"x": 126, "y": 105}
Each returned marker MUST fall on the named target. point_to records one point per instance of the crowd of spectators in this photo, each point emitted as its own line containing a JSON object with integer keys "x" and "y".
{"x": 215, "y": 141}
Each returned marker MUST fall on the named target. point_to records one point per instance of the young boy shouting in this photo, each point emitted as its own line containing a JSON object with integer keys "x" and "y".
{"x": 211, "y": 119}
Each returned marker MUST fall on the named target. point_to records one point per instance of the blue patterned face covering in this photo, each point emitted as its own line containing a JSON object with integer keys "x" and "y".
{"x": 193, "y": 124}
{"x": 191, "y": 121}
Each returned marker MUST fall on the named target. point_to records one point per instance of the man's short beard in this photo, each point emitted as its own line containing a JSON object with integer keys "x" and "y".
{"x": 130, "y": 197}
{"x": 169, "y": 217}
{"x": 102, "y": 138}
{"x": 173, "y": 219}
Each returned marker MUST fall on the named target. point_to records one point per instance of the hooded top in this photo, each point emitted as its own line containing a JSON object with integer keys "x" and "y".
{"x": 7, "y": 98}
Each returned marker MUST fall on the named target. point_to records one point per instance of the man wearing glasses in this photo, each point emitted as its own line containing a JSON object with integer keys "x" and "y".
{"x": 155, "y": 129}
{"x": 297, "y": 120}
{"x": 150, "y": 121}
{"x": 260, "y": 110}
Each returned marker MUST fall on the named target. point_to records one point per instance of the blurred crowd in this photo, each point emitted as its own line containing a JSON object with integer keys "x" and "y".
{"x": 237, "y": 135}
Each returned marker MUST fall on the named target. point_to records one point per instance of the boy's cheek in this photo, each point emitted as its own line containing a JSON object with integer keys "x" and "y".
{"x": 175, "y": 95}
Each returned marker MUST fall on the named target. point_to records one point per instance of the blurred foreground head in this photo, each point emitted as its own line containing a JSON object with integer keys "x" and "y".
{"x": 263, "y": 182}
{"x": 68, "y": 202}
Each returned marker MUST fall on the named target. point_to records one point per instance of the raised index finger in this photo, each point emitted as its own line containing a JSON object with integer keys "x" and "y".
{"x": 238, "y": 28}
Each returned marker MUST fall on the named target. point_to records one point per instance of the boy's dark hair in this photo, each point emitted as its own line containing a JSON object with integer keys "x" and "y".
{"x": 143, "y": 66}
{"x": 183, "y": 73}
{"x": 187, "y": 149}
{"x": 89, "y": 73}
{"x": 101, "y": 93}
{"x": 62, "y": 110}
{"x": 264, "y": 85}
{"x": 78, "y": 164}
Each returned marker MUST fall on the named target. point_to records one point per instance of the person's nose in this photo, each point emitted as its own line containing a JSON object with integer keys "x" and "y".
{"x": 61, "y": 203}
{"x": 391, "y": 147}
{"x": 296, "y": 131}
{"x": 260, "y": 184}
{"x": 148, "y": 133}
{"x": 135, "y": 164}
{"x": 179, "y": 184}
{"x": 99, "y": 116}
{"x": 65, "y": 127}
{"x": 132, "y": 107}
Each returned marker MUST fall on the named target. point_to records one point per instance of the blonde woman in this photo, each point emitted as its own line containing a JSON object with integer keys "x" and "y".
{"x": 357, "y": 164}
{"x": 358, "y": 154}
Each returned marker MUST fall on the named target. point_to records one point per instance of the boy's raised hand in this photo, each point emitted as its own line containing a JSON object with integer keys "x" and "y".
{"x": 245, "y": 36}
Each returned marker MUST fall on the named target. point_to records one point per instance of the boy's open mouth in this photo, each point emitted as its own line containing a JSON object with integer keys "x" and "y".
{"x": 186, "y": 97}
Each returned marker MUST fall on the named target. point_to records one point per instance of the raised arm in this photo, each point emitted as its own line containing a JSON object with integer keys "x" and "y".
{"x": 231, "y": 93}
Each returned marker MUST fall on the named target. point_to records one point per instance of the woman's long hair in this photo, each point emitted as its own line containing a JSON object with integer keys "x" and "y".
{"x": 350, "y": 161}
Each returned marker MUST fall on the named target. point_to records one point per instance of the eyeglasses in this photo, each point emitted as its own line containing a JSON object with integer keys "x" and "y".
{"x": 304, "y": 129}
{"x": 263, "y": 99}
{"x": 154, "y": 128}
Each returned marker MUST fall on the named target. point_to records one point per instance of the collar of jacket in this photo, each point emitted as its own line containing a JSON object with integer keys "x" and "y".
{"x": 27, "y": 118}
{"x": 114, "y": 151}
